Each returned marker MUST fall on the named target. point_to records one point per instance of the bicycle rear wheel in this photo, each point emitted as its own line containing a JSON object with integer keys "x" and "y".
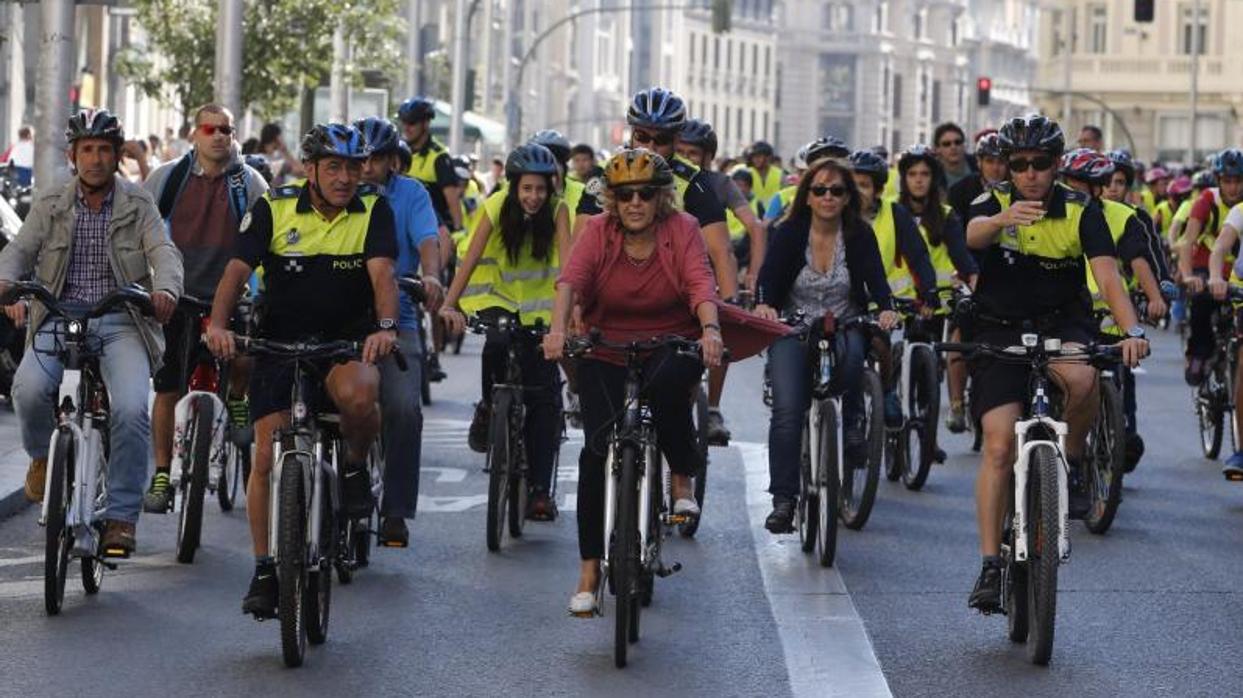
{"x": 1043, "y": 555}
{"x": 193, "y": 486}
{"x": 827, "y": 487}
{"x": 1105, "y": 460}
{"x": 1210, "y": 416}
{"x": 624, "y": 566}
{"x": 291, "y": 572}
{"x": 859, "y": 481}
{"x": 921, "y": 429}
{"x": 59, "y": 536}
{"x": 499, "y": 457}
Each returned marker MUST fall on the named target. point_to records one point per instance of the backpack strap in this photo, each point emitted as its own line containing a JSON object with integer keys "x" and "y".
{"x": 237, "y": 191}
{"x": 173, "y": 184}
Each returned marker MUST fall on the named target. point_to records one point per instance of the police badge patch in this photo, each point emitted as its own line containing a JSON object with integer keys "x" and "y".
{"x": 245, "y": 225}
{"x": 293, "y": 236}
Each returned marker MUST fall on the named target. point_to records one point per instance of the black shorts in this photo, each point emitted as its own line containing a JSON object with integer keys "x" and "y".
{"x": 180, "y": 347}
{"x": 995, "y": 383}
{"x": 271, "y": 386}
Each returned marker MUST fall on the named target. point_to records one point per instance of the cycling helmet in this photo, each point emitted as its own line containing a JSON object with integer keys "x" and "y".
{"x": 259, "y": 163}
{"x": 989, "y": 146}
{"x": 1229, "y": 163}
{"x": 461, "y": 167}
{"x": 1086, "y": 165}
{"x": 742, "y": 174}
{"x": 1123, "y": 162}
{"x": 831, "y": 147}
{"x": 95, "y": 123}
{"x": 1204, "y": 179}
{"x": 334, "y": 140}
{"x": 656, "y": 108}
{"x": 699, "y": 133}
{"x": 1180, "y": 186}
{"x": 920, "y": 153}
{"x": 404, "y": 155}
{"x": 761, "y": 148}
{"x": 869, "y": 163}
{"x": 882, "y": 151}
{"x": 1032, "y": 132}
{"x": 379, "y": 134}
{"x": 637, "y": 166}
{"x": 1156, "y": 174}
{"x": 416, "y": 109}
{"x": 531, "y": 158}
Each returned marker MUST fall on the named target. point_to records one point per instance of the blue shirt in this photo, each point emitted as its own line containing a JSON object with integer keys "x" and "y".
{"x": 415, "y": 221}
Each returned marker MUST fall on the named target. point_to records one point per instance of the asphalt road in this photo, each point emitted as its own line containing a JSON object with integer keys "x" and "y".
{"x": 1149, "y": 609}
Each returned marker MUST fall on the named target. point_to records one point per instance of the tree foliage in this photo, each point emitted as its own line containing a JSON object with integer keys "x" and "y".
{"x": 286, "y": 47}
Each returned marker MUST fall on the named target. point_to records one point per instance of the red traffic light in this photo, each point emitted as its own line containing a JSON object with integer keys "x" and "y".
{"x": 985, "y": 84}
{"x": 983, "y": 91}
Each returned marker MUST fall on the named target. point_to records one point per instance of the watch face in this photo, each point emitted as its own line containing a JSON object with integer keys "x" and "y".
{"x": 387, "y": 324}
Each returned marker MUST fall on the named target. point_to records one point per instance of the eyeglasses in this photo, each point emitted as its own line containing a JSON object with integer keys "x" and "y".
{"x": 951, "y": 144}
{"x": 837, "y": 190}
{"x": 626, "y": 194}
{"x": 1041, "y": 163}
{"x": 659, "y": 138}
{"x": 211, "y": 129}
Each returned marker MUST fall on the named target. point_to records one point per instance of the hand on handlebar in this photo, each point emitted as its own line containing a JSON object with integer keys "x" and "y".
{"x": 378, "y": 345}
{"x": 16, "y": 313}
{"x": 887, "y": 320}
{"x": 712, "y": 347}
{"x": 554, "y": 346}
{"x": 1133, "y": 349}
{"x": 455, "y": 321}
{"x": 766, "y": 312}
{"x": 164, "y": 306}
{"x": 435, "y": 293}
{"x": 1218, "y": 287}
{"x": 220, "y": 342}
{"x": 1157, "y": 308}
{"x": 1194, "y": 283}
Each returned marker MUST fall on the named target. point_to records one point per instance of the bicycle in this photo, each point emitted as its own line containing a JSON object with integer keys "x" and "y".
{"x": 77, "y": 475}
{"x": 1213, "y": 398}
{"x": 506, "y": 462}
{"x": 913, "y": 445}
{"x": 636, "y": 506}
{"x": 1036, "y": 538}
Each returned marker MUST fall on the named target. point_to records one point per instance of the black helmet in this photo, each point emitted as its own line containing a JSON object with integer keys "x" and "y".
{"x": 989, "y": 146}
{"x": 831, "y": 147}
{"x": 1204, "y": 179}
{"x": 881, "y": 151}
{"x": 334, "y": 140}
{"x": 1124, "y": 163}
{"x": 260, "y": 164}
{"x": 869, "y": 163}
{"x": 554, "y": 141}
{"x": 1228, "y": 163}
{"x": 924, "y": 154}
{"x": 761, "y": 148}
{"x": 404, "y": 155}
{"x": 699, "y": 133}
{"x": 656, "y": 108}
{"x": 95, "y": 123}
{"x": 531, "y": 158}
{"x": 1032, "y": 132}
{"x": 461, "y": 168}
{"x": 379, "y": 134}
{"x": 416, "y": 109}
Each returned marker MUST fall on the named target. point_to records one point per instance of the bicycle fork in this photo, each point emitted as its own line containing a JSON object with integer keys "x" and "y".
{"x": 1022, "y": 467}
{"x": 183, "y": 416}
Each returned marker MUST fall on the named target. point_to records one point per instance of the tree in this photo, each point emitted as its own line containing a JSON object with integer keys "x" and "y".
{"x": 287, "y": 48}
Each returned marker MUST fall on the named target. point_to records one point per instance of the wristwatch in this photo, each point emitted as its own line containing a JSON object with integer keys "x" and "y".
{"x": 387, "y": 323}
{"x": 1137, "y": 332}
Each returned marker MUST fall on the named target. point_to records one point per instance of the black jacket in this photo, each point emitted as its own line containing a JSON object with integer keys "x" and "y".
{"x": 787, "y": 255}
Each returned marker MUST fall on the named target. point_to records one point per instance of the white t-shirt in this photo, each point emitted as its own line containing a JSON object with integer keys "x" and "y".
{"x": 1235, "y": 220}
{"x": 23, "y": 154}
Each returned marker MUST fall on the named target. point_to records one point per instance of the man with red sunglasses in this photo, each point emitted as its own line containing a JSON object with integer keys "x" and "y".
{"x": 1033, "y": 239}
{"x": 203, "y": 197}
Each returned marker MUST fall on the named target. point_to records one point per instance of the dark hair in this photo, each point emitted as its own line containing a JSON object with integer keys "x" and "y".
{"x": 852, "y": 218}
{"x": 932, "y": 217}
{"x": 516, "y": 225}
{"x": 945, "y": 128}
{"x": 250, "y": 146}
{"x": 583, "y": 149}
{"x": 1096, "y": 131}
{"x": 212, "y": 108}
{"x": 269, "y": 133}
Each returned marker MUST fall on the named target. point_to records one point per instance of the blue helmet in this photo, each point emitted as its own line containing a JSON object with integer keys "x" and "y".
{"x": 1229, "y": 163}
{"x": 379, "y": 134}
{"x": 1124, "y": 163}
{"x": 869, "y": 163}
{"x": 656, "y": 108}
{"x": 334, "y": 140}
{"x": 416, "y": 109}
{"x": 531, "y": 158}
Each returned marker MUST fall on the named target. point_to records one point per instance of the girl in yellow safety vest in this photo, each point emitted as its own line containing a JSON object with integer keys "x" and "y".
{"x": 509, "y": 271}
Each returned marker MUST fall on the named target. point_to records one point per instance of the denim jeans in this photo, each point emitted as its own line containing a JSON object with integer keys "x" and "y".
{"x": 126, "y": 371}
{"x": 402, "y": 411}
{"x": 788, "y": 365}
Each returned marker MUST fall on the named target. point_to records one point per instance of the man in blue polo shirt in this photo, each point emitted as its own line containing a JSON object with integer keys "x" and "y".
{"x": 416, "y": 224}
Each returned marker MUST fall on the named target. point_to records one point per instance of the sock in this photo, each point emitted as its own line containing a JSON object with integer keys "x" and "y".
{"x": 262, "y": 561}
{"x": 992, "y": 560}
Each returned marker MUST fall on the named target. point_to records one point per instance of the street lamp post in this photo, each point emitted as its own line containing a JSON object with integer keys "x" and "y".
{"x": 52, "y": 91}
{"x": 1195, "y": 78}
{"x": 229, "y": 57}
{"x": 459, "y": 77}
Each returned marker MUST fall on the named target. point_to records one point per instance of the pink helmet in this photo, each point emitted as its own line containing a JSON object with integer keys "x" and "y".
{"x": 1180, "y": 186}
{"x": 1157, "y": 173}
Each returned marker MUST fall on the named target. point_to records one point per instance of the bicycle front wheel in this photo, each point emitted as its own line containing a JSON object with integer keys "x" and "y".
{"x": 1105, "y": 460}
{"x": 499, "y": 461}
{"x": 319, "y": 581}
{"x": 921, "y": 429}
{"x": 624, "y": 565}
{"x": 1043, "y": 557}
{"x": 59, "y": 537}
{"x": 194, "y": 483}
{"x": 807, "y": 513}
{"x": 1210, "y": 417}
{"x": 827, "y": 487}
{"x": 291, "y": 568}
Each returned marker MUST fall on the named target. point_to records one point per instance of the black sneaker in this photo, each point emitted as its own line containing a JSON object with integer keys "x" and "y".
{"x": 986, "y": 596}
{"x": 435, "y": 373}
{"x": 159, "y": 497}
{"x": 1080, "y": 500}
{"x": 262, "y": 598}
{"x": 480, "y": 425}
{"x": 781, "y": 520}
{"x": 356, "y": 489}
{"x": 393, "y": 532}
{"x": 1134, "y": 450}
{"x": 718, "y": 435}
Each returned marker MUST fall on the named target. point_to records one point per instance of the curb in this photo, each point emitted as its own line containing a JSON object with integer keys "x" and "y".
{"x": 13, "y": 503}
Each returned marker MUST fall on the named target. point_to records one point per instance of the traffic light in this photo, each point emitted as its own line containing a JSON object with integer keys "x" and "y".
{"x": 1144, "y": 10}
{"x": 722, "y": 11}
{"x": 983, "y": 91}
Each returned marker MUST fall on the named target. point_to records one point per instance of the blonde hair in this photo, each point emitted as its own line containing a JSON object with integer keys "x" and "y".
{"x": 668, "y": 201}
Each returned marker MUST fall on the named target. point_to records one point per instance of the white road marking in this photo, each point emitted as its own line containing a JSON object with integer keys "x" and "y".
{"x": 826, "y": 646}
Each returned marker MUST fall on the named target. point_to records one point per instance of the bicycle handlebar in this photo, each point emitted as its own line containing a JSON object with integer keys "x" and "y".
{"x": 578, "y": 346}
{"x": 506, "y": 323}
{"x": 336, "y": 349}
{"x": 1021, "y": 353}
{"x": 413, "y": 288}
{"x": 134, "y": 296}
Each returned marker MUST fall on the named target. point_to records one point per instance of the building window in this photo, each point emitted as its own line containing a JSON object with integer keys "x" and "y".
{"x": 880, "y": 23}
{"x": 920, "y": 20}
{"x": 1190, "y": 30}
{"x": 1098, "y": 28}
{"x": 755, "y": 58}
{"x": 703, "y": 51}
{"x": 923, "y": 94}
{"x": 936, "y": 101}
{"x": 768, "y": 55}
{"x": 897, "y": 96}
{"x": 716, "y": 52}
{"x": 1055, "y": 25}
{"x": 838, "y": 16}
{"x": 954, "y": 31}
{"x": 691, "y": 59}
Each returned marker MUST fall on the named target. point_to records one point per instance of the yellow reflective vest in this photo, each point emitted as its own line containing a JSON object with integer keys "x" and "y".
{"x": 525, "y": 287}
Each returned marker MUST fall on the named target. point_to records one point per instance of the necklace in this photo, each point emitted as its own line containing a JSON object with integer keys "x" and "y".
{"x": 635, "y": 262}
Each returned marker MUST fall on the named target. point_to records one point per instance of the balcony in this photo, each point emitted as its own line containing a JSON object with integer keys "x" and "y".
{"x": 1139, "y": 74}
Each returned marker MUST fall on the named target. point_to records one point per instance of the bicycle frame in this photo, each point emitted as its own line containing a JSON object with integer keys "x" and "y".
{"x": 820, "y": 392}
{"x": 308, "y": 449}
{"x": 1040, "y": 419}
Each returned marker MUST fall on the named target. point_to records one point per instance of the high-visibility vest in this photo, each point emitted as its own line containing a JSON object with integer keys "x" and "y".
{"x": 526, "y": 287}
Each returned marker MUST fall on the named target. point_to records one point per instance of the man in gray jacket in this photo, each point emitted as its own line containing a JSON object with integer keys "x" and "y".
{"x": 82, "y": 240}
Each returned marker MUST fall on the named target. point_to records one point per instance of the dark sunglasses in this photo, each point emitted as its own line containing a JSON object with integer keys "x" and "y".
{"x": 660, "y": 138}
{"x": 837, "y": 190}
{"x": 627, "y": 194}
{"x": 950, "y": 144}
{"x": 212, "y": 129}
{"x": 1041, "y": 163}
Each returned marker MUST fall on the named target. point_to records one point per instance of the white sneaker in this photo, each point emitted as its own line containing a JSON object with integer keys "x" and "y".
{"x": 583, "y": 603}
{"x": 686, "y": 507}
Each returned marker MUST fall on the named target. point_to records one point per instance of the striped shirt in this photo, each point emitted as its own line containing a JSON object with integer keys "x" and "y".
{"x": 89, "y": 277}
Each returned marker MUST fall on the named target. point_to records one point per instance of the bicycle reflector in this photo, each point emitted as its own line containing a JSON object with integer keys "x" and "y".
{"x": 1030, "y": 340}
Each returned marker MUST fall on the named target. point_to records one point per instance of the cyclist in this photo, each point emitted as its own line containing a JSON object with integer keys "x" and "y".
{"x": 583, "y": 167}
{"x": 117, "y": 239}
{"x": 951, "y": 145}
{"x": 568, "y": 189}
{"x": 1121, "y": 181}
{"x": 765, "y": 174}
{"x": 831, "y": 147}
{"x": 1222, "y": 248}
{"x": 992, "y": 170}
{"x": 1208, "y": 212}
{"x": 510, "y": 269}
{"x": 202, "y": 196}
{"x": 414, "y": 223}
{"x": 638, "y": 272}
{"x": 1035, "y": 238}
{"x": 328, "y": 249}
{"x": 922, "y": 193}
{"x": 1158, "y": 180}
{"x": 824, "y": 260}
{"x": 431, "y": 163}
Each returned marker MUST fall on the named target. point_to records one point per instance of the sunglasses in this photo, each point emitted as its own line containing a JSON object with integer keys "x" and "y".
{"x": 1041, "y": 163}
{"x": 837, "y": 190}
{"x": 626, "y": 194}
{"x": 212, "y": 129}
{"x": 661, "y": 138}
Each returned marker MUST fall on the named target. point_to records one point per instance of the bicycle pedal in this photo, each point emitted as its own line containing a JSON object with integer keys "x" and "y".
{"x": 393, "y": 544}
{"x": 1234, "y": 477}
{"x": 116, "y": 554}
{"x": 663, "y": 571}
{"x": 675, "y": 519}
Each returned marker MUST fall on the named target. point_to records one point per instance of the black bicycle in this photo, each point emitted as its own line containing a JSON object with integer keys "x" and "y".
{"x": 1214, "y": 396}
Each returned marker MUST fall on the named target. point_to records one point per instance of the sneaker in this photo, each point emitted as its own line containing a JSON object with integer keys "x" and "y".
{"x": 718, "y": 435}
{"x": 781, "y": 520}
{"x": 1234, "y": 467}
{"x": 1080, "y": 499}
{"x": 986, "y": 596}
{"x": 686, "y": 506}
{"x": 261, "y": 598}
{"x": 893, "y": 410}
{"x": 36, "y": 476}
{"x": 541, "y": 507}
{"x": 435, "y": 373}
{"x": 956, "y": 422}
{"x": 583, "y": 604}
{"x": 159, "y": 497}
{"x": 118, "y": 540}
{"x": 480, "y": 425}
{"x": 1133, "y": 451}
{"x": 393, "y": 532}
{"x": 1193, "y": 372}
{"x": 356, "y": 488}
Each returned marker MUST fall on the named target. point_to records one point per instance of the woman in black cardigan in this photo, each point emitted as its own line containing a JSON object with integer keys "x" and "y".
{"x": 822, "y": 258}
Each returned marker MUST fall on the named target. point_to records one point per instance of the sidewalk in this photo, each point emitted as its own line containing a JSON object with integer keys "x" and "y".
{"x": 13, "y": 464}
